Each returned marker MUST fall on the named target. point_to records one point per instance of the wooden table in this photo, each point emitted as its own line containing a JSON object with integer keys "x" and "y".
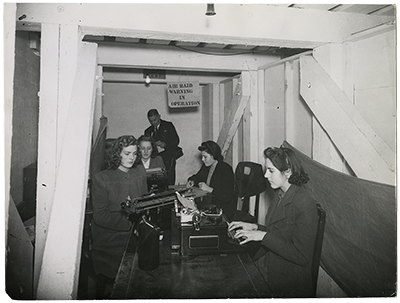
{"x": 194, "y": 277}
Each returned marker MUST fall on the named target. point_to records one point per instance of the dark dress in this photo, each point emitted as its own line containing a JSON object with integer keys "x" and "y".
{"x": 286, "y": 251}
{"x": 110, "y": 225}
{"x": 222, "y": 182}
{"x": 166, "y": 133}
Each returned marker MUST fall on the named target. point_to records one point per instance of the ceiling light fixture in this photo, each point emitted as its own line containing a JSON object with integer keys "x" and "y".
{"x": 148, "y": 80}
{"x": 210, "y": 10}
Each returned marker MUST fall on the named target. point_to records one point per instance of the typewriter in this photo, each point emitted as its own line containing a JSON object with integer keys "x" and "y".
{"x": 201, "y": 228}
{"x": 198, "y": 227}
{"x": 145, "y": 203}
{"x": 157, "y": 179}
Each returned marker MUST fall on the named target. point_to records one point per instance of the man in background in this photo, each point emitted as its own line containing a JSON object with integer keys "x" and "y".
{"x": 167, "y": 140}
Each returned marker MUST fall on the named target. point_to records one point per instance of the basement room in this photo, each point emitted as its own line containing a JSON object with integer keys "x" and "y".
{"x": 200, "y": 151}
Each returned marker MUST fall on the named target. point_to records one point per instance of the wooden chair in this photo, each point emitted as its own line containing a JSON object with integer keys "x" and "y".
{"x": 249, "y": 182}
{"x": 318, "y": 247}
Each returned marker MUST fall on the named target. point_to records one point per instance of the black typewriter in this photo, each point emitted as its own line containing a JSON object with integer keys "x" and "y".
{"x": 152, "y": 201}
{"x": 157, "y": 180}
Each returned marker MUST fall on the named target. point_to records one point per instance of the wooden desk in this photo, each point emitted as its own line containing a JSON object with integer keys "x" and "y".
{"x": 194, "y": 277}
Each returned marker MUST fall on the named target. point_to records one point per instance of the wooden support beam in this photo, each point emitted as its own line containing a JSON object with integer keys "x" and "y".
{"x": 146, "y": 56}
{"x": 98, "y": 106}
{"x": 215, "y": 112}
{"x": 372, "y": 31}
{"x": 251, "y": 140}
{"x": 47, "y": 154}
{"x": 61, "y": 258}
{"x": 368, "y": 155}
{"x": 289, "y": 102}
{"x": 324, "y": 151}
{"x": 229, "y": 87}
{"x": 59, "y": 47}
{"x": 235, "y": 113}
{"x": 262, "y": 24}
{"x": 69, "y": 41}
{"x": 261, "y": 122}
{"x": 232, "y": 153}
{"x": 288, "y": 59}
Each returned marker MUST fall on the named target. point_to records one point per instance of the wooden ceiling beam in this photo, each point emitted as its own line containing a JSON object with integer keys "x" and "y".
{"x": 148, "y": 56}
{"x": 260, "y": 24}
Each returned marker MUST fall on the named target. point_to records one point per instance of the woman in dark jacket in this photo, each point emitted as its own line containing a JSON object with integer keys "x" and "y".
{"x": 111, "y": 228}
{"x": 288, "y": 237}
{"x": 216, "y": 177}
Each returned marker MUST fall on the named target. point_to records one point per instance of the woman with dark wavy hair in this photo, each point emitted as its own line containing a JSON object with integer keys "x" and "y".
{"x": 215, "y": 176}
{"x": 110, "y": 225}
{"x": 287, "y": 239}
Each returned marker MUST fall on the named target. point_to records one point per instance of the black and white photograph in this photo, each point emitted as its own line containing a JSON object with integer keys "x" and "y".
{"x": 199, "y": 151}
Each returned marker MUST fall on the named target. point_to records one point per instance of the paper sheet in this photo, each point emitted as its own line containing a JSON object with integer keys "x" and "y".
{"x": 186, "y": 202}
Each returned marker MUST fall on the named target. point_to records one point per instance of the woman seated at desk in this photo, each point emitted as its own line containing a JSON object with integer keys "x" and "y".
{"x": 157, "y": 177}
{"x": 157, "y": 181}
{"x": 216, "y": 177}
{"x": 149, "y": 154}
{"x": 110, "y": 226}
{"x": 288, "y": 238}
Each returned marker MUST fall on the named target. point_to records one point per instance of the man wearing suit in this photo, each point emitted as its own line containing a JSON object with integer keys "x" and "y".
{"x": 167, "y": 140}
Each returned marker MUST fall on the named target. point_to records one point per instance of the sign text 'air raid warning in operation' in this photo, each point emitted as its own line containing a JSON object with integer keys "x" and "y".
{"x": 183, "y": 94}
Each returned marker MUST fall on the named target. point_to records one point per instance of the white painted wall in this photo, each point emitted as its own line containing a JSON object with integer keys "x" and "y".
{"x": 374, "y": 65}
{"x": 364, "y": 68}
{"x": 274, "y": 105}
{"x": 126, "y": 105}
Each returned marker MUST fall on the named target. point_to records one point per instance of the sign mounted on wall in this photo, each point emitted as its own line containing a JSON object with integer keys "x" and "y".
{"x": 183, "y": 94}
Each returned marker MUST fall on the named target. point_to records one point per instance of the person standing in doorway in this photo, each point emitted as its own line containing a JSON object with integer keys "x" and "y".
{"x": 167, "y": 140}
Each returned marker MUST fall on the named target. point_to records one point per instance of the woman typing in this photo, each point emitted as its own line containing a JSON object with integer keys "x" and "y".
{"x": 215, "y": 176}
{"x": 288, "y": 237}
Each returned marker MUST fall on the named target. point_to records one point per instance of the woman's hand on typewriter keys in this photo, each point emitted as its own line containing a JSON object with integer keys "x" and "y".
{"x": 242, "y": 225}
{"x": 245, "y": 236}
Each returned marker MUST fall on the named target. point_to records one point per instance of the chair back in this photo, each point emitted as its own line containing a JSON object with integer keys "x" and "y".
{"x": 318, "y": 247}
{"x": 249, "y": 181}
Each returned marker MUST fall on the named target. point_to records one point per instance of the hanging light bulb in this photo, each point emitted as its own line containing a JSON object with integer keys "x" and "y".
{"x": 148, "y": 80}
{"x": 210, "y": 10}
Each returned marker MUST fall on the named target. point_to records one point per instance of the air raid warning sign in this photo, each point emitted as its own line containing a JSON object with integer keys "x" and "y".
{"x": 183, "y": 94}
